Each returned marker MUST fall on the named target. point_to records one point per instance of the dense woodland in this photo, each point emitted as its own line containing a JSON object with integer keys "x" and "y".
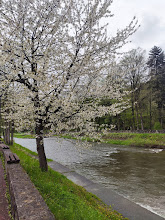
{"x": 145, "y": 80}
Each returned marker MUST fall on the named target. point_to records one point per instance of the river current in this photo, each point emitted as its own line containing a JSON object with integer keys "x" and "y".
{"x": 135, "y": 173}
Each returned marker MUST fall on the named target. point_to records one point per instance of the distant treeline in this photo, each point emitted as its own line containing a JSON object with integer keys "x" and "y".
{"x": 145, "y": 81}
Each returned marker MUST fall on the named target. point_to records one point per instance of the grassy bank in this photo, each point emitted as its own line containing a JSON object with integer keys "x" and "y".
{"x": 65, "y": 199}
{"x": 151, "y": 140}
{"x": 134, "y": 139}
{"x": 23, "y": 135}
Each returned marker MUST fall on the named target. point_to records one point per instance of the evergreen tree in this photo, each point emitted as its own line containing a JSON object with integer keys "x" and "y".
{"x": 156, "y": 63}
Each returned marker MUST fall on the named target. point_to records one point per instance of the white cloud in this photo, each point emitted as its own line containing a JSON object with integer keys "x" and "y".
{"x": 151, "y": 16}
{"x": 151, "y": 32}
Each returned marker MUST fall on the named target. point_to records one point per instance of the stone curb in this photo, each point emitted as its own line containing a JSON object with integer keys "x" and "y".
{"x": 26, "y": 201}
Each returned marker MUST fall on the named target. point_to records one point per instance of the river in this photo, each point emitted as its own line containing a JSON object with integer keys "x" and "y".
{"x": 135, "y": 173}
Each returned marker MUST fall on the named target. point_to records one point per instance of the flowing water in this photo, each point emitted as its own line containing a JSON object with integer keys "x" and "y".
{"x": 135, "y": 173}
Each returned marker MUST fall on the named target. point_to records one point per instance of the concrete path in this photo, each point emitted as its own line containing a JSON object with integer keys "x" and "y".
{"x": 3, "y": 201}
{"x": 122, "y": 205}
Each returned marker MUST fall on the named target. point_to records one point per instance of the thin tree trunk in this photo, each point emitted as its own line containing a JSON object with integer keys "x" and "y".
{"x": 124, "y": 121}
{"x": 133, "y": 109}
{"x": 40, "y": 145}
{"x": 4, "y": 135}
{"x": 118, "y": 124}
{"x": 133, "y": 116}
{"x": 150, "y": 109}
{"x": 38, "y": 121}
{"x": 39, "y": 136}
{"x": 160, "y": 116}
{"x": 12, "y": 133}
{"x": 7, "y": 134}
{"x": 137, "y": 117}
{"x": 141, "y": 119}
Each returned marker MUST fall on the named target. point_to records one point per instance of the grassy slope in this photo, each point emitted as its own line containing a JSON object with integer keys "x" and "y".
{"x": 65, "y": 199}
{"x": 152, "y": 140}
{"x": 135, "y": 139}
{"x": 23, "y": 135}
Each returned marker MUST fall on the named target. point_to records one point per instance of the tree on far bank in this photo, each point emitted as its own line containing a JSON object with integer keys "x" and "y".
{"x": 156, "y": 63}
{"x": 57, "y": 52}
{"x": 133, "y": 64}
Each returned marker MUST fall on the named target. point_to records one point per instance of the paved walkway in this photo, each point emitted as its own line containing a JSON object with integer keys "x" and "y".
{"x": 122, "y": 205}
{"x": 3, "y": 201}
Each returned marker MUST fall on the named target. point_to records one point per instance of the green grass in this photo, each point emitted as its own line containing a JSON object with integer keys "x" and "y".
{"x": 66, "y": 200}
{"x": 23, "y": 135}
{"x": 28, "y": 152}
{"x": 7, "y": 194}
{"x": 135, "y": 139}
{"x": 131, "y": 139}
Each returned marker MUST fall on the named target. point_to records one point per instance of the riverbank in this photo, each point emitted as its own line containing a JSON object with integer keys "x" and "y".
{"x": 65, "y": 199}
{"x": 148, "y": 140}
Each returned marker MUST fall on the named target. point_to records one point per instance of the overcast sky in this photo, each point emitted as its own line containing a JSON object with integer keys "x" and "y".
{"x": 151, "y": 17}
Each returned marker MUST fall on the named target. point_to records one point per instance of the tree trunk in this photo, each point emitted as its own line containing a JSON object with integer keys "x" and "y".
{"x": 40, "y": 145}
{"x": 160, "y": 115}
{"x": 150, "y": 109}
{"x": 133, "y": 116}
{"x": 141, "y": 119}
{"x": 124, "y": 122}
{"x": 7, "y": 135}
{"x": 162, "y": 118}
{"x": 12, "y": 132}
{"x": 118, "y": 124}
{"x": 133, "y": 109}
{"x": 137, "y": 117}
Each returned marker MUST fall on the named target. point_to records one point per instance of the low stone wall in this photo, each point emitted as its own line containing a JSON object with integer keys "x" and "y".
{"x": 26, "y": 201}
